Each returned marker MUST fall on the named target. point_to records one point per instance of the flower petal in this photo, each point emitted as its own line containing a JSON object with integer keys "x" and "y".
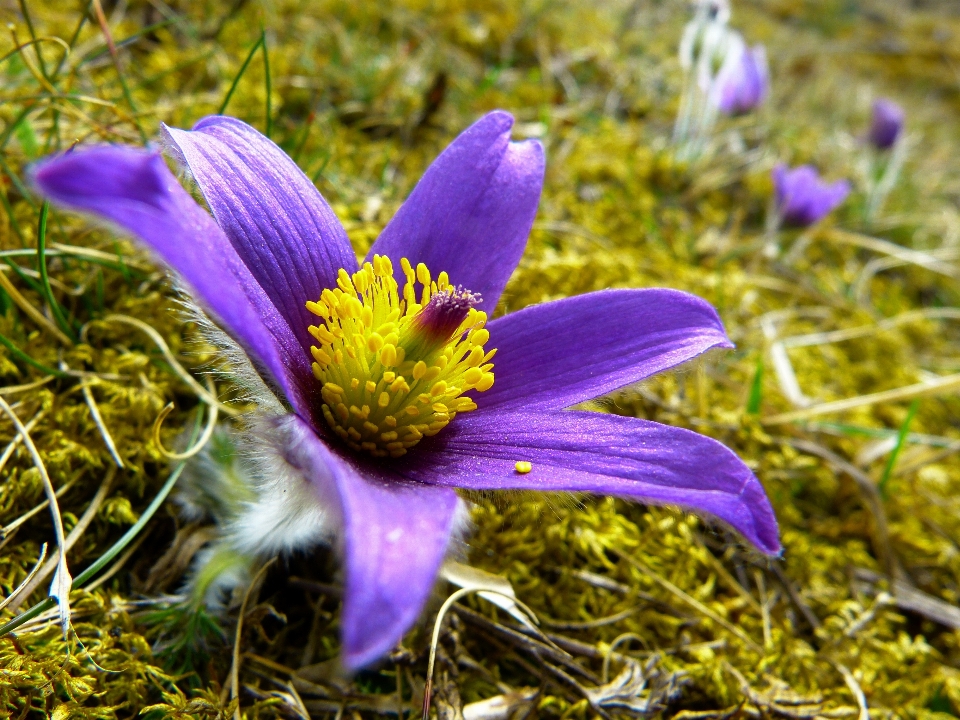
{"x": 598, "y": 453}
{"x": 472, "y": 210}
{"x": 134, "y": 188}
{"x": 395, "y": 535}
{"x": 557, "y": 354}
{"x": 276, "y": 219}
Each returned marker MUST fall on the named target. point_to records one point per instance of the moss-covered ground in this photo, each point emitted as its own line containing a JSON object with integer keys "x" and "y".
{"x": 857, "y": 619}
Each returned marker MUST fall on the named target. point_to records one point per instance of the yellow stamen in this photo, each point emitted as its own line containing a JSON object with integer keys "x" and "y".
{"x": 523, "y": 466}
{"x": 392, "y": 364}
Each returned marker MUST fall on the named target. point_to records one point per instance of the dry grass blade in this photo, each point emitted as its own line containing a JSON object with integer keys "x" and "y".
{"x": 33, "y": 511}
{"x": 27, "y": 580}
{"x": 940, "y": 386}
{"x": 201, "y": 441}
{"x": 9, "y": 450}
{"x": 118, "y": 565}
{"x": 871, "y": 496}
{"x": 26, "y": 387}
{"x": 30, "y": 311}
{"x": 435, "y": 639}
{"x": 205, "y": 395}
{"x": 834, "y": 336}
{"x": 101, "y": 426}
{"x": 60, "y": 587}
{"x": 234, "y": 674}
{"x": 692, "y": 601}
{"x": 75, "y": 534}
{"x": 855, "y": 690}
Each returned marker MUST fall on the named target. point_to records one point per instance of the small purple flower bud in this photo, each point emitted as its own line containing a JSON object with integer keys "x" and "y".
{"x": 743, "y": 82}
{"x": 886, "y": 124}
{"x": 802, "y": 197}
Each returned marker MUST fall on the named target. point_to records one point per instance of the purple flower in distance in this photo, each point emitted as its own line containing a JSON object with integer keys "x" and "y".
{"x": 886, "y": 123}
{"x": 802, "y": 197}
{"x": 743, "y": 80}
{"x": 385, "y": 368}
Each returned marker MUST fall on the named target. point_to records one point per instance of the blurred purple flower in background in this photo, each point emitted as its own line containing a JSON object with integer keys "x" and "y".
{"x": 743, "y": 81}
{"x": 802, "y": 197}
{"x": 886, "y": 123}
{"x": 377, "y": 421}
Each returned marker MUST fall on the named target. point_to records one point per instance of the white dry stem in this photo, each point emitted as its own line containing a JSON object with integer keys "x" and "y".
{"x": 855, "y": 690}
{"x": 98, "y": 418}
{"x": 101, "y": 426}
{"x": 14, "y": 389}
{"x": 932, "y": 260}
{"x": 60, "y": 587}
{"x": 782, "y": 367}
{"x": 75, "y": 534}
{"x": 825, "y": 338}
{"x": 9, "y": 450}
{"x": 939, "y": 386}
{"x": 492, "y": 588}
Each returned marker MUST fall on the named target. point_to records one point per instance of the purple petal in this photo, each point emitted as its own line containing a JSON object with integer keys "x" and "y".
{"x": 134, "y": 189}
{"x": 395, "y": 534}
{"x": 743, "y": 81}
{"x": 557, "y": 354}
{"x": 886, "y": 123}
{"x": 276, "y": 219}
{"x": 802, "y": 197}
{"x": 598, "y": 453}
{"x": 472, "y": 211}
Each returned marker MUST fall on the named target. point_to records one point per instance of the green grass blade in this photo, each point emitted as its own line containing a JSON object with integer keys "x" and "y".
{"x": 236, "y": 80}
{"x": 756, "y": 389}
{"x": 22, "y": 356}
{"x": 266, "y": 76}
{"x": 73, "y": 39}
{"x": 33, "y": 36}
{"x": 55, "y": 308}
{"x": 901, "y": 438}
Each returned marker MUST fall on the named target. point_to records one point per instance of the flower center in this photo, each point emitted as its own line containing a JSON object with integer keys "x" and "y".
{"x": 394, "y": 368}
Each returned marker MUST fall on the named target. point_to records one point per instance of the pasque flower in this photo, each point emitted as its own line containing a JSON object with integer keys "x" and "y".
{"x": 743, "y": 80}
{"x": 886, "y": 124}
{"x": 802, "y": 197}
{"x": 385, "y": 369}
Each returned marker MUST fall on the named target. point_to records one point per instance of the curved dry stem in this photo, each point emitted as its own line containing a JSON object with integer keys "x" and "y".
{"x": 435, "y": 639}
{"x": 60, "y": 588}
{"x": 613, "y": 646}
{"x": 208, "y": 397}
{"x": 201, "y": 442}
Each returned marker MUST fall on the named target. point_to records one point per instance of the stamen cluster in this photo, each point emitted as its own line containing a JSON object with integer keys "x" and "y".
{"x": 394, "y": 369}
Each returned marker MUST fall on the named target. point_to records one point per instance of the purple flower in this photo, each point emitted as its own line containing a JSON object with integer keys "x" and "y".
{"x": 386, "y": 367}
{"x": 886, "y": 123}
{"x": 802, "y": 197}
{"x": 743, "y": 80}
